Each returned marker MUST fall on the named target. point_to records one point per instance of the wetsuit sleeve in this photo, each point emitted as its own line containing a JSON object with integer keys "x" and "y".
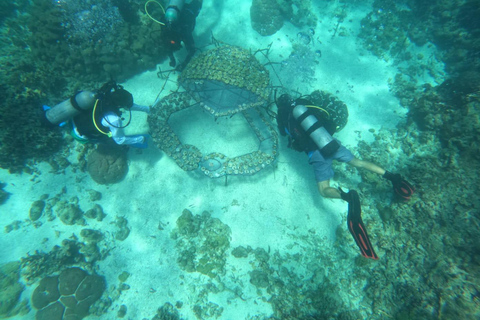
{"x": 114, "y": 123}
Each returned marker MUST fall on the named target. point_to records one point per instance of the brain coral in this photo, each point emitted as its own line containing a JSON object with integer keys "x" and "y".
{"x": 67, "y": 296}
{"x": 107, "y": 164}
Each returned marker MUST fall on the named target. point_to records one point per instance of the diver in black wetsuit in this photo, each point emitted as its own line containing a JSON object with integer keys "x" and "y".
{"x": 180, "y": 22}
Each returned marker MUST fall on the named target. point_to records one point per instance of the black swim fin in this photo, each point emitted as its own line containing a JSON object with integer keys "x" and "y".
{"x": 403, "y": 189}
{"x": 356, "y": 226}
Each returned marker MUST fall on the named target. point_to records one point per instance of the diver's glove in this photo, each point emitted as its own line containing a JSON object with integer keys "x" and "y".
{"x": 143, "y": 144}
{"x": 403, "y": 189}
{"x": 355, "y": 224}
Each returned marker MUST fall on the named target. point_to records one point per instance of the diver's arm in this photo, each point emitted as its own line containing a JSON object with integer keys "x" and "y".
{"x": 190, "y": 46}
{"x": 367, "y": 165}
{"x": 137, "y": 107}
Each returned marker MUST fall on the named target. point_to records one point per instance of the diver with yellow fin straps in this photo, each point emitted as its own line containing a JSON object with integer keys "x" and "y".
{"x": 97, "y": 116}
{"x": 310, "y": 129}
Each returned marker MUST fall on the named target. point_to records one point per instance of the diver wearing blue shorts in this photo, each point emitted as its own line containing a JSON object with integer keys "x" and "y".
{"x": 310, "y": 129}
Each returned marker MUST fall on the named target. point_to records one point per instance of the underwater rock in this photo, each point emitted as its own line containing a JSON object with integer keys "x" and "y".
{"x": 36, "y": 210}
{"x": 91, "y": 235}
{"x": 304, "y": 38}
{"x": 94, "y": 195}
{"x": 122, "y": 312}
{"x": 187, "y": 224}
{"x": 107, "y": 165}
{"x": 10, "y": 289}
{"x": 298, "y": 12}
{"x": 70, "y": 213}
{"x": 266, "y": 17}
{"x": 67, "y": 296}
{"x": 59, "y": 163}
{"x": 3, "y": 194}
{"x": 241, "y": 252}
{"x": 209, "y": 310}
{"x": 261, "y": 255}
{"x": 122, "y": 277}
{"x": 91, "y": 252}
{"x": 124, "y": 230}
{"x": 259, "y": 278}
{"x": 167, "y": 312}
{"x": 96, "y": 213}
{"x": 15, "y": 225}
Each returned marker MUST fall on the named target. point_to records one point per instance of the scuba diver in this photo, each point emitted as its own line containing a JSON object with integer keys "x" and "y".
{"x": 179, "y": 21}
{"x": 310, "y": 130}
{"x": 97, "y": 116}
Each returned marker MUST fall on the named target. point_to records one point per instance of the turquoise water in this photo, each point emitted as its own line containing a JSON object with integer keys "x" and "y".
{"x": 130, "y": 234}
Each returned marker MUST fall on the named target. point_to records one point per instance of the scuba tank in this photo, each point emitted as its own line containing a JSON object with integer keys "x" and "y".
{"x": 66, "y": 110}
{"x": 173, "y": 11}
{"x": 313, "y": 128}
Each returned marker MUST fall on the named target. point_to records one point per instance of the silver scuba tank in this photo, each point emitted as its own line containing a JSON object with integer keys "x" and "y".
{"x": 66, "y": 110}
{"x": 324, "y": 141}
{"x": 173, "y": 10}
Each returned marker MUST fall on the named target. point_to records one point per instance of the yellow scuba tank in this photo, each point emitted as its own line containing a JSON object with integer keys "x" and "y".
{"x": 66, "y": 110}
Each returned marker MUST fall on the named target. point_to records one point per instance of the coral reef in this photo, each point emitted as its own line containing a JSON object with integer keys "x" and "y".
{"x": 451, "y": 110}
{"x": 107, "y": 164}
{"x": 68, "y": 295}
{"x": 433, "y": 236}
{"x": 69, "y": 212}
{"x": 390, "y": 28}
{"x": 301, "y": 62}
{"x": 439, "y": 147}
{"x": 266, "y": 17}
{"x": 80, "y": 39}
{"x": 42, "y": 264}
{"x": 202, "y": 242}
{"x": 298, "y": 12}
{"x": 383, "y": 29}
{"x": 10, "y": 290}
{"x": 280, "y": 278}
{"x": 167, "y": 312}
{"x": 23, "y": 134}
